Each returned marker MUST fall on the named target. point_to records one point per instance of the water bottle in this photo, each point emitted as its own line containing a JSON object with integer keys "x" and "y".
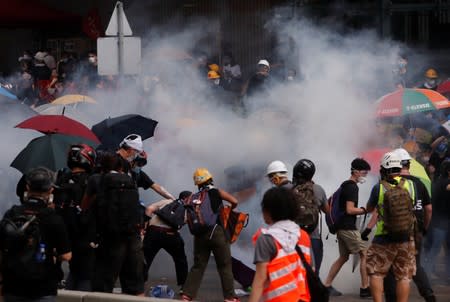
{"x": 162, "y": 290}
{"x": 40, "y": 255}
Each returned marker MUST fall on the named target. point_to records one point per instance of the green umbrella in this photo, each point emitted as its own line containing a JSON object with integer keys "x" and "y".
{"x": 48, "y": 151}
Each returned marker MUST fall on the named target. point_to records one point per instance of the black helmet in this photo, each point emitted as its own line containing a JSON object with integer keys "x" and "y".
{"x": 82, "y": 156}
{"x": 304, "y": 169}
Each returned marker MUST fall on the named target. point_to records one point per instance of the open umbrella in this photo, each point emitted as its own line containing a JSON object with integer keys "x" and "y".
{"x": 49, "y": 151}
{"x": 410, "y": 100}
{"x": 58, "y": 124}
{"x": 111, "y": 131}
{"x": 417, "y": 170}
{"x": 444, "y": 87}
{"x": 7, "y": 93}
{"x": 73, "y": 98}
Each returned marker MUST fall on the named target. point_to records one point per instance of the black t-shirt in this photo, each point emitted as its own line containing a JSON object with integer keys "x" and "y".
{"x": 54, "y": 235}
{"x": 349, "y": 192}
{"x": 440, "y": 198}
{"x": 422, "y": 199}
{"x": 142, "y": 180}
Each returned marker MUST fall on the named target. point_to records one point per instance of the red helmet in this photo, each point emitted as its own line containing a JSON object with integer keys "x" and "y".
{"x": 82, "y": 156}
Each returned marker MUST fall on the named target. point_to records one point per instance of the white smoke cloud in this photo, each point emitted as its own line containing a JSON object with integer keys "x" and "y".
{"x": 326, "y": 117}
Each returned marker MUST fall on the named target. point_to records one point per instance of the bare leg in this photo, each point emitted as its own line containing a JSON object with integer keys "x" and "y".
{"x": 402, "y": 290}
{"x": 376, "y": 288}
{"x": 334, "y": 269}
{"x": 363, "y": 269}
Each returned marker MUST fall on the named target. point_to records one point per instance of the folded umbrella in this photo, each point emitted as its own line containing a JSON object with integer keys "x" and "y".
{"x": 48, "y": 151}
{"x": 112, "y": 131}
{"x": 58, "y": 124}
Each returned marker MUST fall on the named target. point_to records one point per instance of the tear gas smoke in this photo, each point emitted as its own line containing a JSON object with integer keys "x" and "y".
{"x": 326, "y": 117}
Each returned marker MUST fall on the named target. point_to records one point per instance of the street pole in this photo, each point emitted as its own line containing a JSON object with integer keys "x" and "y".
{"x": 120, "y": 36}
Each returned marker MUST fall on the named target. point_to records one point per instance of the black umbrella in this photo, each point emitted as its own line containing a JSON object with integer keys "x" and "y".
{"x": 112, "y": 131}
{"x": 48, "y": 151}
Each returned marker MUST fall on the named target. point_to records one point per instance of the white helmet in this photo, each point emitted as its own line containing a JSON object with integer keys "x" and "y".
{"x": 276, "y": 166}
{"x": 403, "y": 154}
{"x": 264, "y": 62}
{"x": 391, "y": 160}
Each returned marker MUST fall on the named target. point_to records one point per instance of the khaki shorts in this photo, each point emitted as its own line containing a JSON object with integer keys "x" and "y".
{"x": 399, "y": 256}
{"x": 350, "y": 242}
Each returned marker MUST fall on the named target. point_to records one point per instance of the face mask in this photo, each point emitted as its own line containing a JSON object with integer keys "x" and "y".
{"x": 92, "y": 60}
{"x": 431, "y": 83}
{"x": 290, "y": 78}
{"x": 362, "y": 179}
{"x": 402, "y": 64}
{"x": 64, "y": 60}
{"x": 51, "y": 90}
{"x": 216, "y": 81}
{"x": 136, "y": 170}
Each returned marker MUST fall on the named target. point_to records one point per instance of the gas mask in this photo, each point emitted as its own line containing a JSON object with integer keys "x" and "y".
{"x": 362, "y": 179}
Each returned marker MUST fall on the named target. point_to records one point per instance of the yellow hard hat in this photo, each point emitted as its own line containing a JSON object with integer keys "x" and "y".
{"x": 201, "y": 175}
{"x": 213, "y": 75}
{"x": 431, "y": 73}
{"x": 214, "y": 67}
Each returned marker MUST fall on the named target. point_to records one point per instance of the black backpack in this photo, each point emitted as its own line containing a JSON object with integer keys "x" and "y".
{"x": 118, "y": 211}
{"x": 173, "y": 214}
{"x": 70, "y": 188}
{"x": 25, "y": 255}
{"x": 67, "y": 198}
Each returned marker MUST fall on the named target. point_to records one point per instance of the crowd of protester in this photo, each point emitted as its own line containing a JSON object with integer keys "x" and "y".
{"x": 99, "y": 254}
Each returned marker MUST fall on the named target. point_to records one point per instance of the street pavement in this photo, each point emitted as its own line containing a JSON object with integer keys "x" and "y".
{"x": 210, "y": 290}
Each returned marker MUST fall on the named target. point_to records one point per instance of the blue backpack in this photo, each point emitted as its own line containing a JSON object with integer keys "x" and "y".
{"x": 334, "y": 217}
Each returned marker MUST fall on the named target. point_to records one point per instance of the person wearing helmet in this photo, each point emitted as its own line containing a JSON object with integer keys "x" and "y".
{"x": 423, "y": 211}
{"x": 71, "y": 187}
{"x": 131, "y": 150}
{"x": 387, "y": 253}
{"x": 24, "y": 283}
{"x": 348, "y": 236}
{"x": 213, "y": 240}
{"x": 260, "y": 81}
{"x": 431, "y": 79}
{"x": 277, "y": 174}
{"x": 303, "y": 172}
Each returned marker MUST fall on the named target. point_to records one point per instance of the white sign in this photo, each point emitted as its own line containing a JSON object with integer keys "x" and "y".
{"x": 108, "y": 54}
{"x": 113, "y": 26}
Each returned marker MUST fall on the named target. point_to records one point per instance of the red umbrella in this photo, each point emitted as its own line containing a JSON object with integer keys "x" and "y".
{"x": 61, "y": 124}
{"x": 444, "y": 87}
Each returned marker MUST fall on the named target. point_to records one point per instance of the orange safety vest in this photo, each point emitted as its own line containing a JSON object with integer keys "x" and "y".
{"x": 286, "y": 274}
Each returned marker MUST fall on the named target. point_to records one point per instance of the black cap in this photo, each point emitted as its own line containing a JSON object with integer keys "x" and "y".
{"x": 184, "y": 194}
{"x": 40, "y": 179}
{"x": 360, "y": 164}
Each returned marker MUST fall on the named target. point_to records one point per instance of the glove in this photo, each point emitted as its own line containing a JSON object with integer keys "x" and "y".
{"x": 365, "y": 233}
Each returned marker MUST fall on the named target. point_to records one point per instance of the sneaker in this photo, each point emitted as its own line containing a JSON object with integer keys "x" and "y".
{"x": 235, "y": 299}
{"x": 180, "y": 291}
{"x": 365, "y": 292}
{"x": 333, "y": 292}
{"x": 185, "y": 298}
